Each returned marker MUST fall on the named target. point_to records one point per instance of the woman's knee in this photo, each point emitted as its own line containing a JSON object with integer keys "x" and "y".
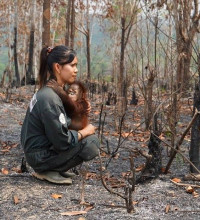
{"x": 90, "y": 148}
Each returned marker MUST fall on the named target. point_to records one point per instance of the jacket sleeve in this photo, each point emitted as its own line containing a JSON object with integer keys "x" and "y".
{"x": 56, "y": 128}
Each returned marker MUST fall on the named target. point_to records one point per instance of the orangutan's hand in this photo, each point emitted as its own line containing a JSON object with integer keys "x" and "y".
{"x": 89, "y": 107}
{"x": 56, "y": 87}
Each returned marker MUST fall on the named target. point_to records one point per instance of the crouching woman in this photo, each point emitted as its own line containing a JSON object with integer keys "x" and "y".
{"x": 50, "y": 148}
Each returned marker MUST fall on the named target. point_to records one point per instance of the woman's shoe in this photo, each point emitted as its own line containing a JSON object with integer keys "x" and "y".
{"x": 67, "y": 174}
{"x": 53, "y": 177}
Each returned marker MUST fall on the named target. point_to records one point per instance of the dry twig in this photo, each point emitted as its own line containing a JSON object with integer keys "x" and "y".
{"x": 129, "y": 188}
{"x": 184, "y": 184}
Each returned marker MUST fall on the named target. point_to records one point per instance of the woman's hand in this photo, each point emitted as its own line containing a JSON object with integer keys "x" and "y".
{"x": 88, "y": 130}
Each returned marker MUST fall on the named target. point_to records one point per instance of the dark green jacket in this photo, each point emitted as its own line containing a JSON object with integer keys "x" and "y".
{"x": 45, "y": 132}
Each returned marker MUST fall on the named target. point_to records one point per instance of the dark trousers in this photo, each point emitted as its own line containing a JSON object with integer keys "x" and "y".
{"x": 48, "y": 160}
{"x": 87, "y": 149}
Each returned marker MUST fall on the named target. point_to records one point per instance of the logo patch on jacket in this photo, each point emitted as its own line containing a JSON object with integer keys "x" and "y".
{"x": 33, "y": 102}
{"x": 62, "y": 118}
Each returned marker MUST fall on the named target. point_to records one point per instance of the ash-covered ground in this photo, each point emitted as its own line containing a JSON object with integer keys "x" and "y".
{"x": 24, "y": 197}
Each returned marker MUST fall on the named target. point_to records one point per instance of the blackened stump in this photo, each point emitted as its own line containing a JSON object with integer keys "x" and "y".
{"x": 153, "y": 167}
{"x": 194, "y": 152}
{"x": 134, "y": 99}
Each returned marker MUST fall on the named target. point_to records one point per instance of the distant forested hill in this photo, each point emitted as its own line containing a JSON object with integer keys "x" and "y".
{"x": 100, "y": 60}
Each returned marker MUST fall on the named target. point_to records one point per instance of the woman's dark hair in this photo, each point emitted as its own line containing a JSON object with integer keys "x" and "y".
{"x": 59, "y": 54}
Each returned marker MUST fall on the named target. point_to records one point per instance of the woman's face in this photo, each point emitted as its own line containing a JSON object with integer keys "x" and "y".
{"x": 67, "y": 73}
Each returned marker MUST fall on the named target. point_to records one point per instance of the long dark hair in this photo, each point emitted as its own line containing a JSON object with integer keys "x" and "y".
{"x": 59, "y": 54}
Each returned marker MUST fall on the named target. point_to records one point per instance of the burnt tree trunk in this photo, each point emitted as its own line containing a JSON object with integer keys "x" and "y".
{"x": 121, "y": 99}
{"x": 134, "y": 99}
{"x": 195, "y": 132}
{"x": 46, "y": 23}
{"x": 3, "y": 78}
{"x": 153, "y": 167}
{"x": 88, "y": 41}
{"x": 70, "y": 24}
{"x": 155, "y": 150}
{"x": 15, "y": 46}
{"x": 148, "y": 108}
{"x": 72, "y": 34}
{"x": 29, "y": 73}
{"x": 186, "y": 16}
{"x": 15, "y": 58}
{"x": 88, "y": 55}
{"x": 67, "y": 38}
{"x": 109, "y": 98}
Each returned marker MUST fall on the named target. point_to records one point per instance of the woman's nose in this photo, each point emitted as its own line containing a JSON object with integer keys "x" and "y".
{"x": 76, "y": 70}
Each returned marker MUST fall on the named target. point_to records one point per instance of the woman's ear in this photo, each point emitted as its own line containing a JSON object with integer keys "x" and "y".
{"x": 56, "y": 68}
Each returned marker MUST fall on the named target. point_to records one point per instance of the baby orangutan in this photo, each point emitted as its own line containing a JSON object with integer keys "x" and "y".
{"x": 75, "y": 103}
{"x": 78, "y": 94}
